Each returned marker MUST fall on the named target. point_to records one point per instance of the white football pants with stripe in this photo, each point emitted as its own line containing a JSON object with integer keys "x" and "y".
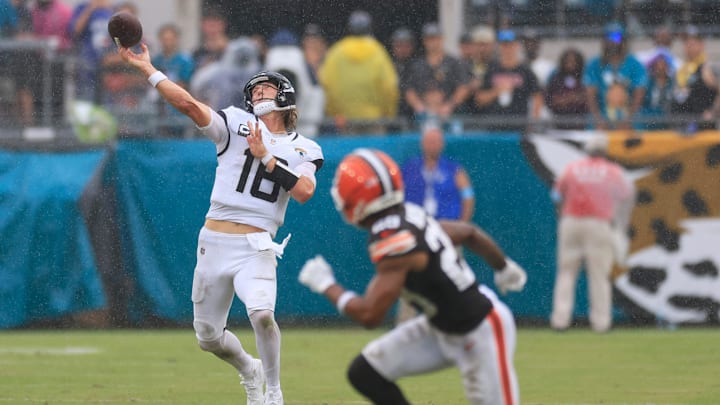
{"x": 483, "y": 355}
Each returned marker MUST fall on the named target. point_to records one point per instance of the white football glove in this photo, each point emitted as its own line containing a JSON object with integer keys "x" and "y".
{"x": 511, "y": 278}
{"x": 317, "y": 275}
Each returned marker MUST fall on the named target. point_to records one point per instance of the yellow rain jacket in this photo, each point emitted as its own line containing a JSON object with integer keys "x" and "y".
{"x": 359, "y": 80}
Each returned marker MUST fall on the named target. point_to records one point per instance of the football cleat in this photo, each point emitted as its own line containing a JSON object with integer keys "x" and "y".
{"x": 274, "y": 397}
{"x": 254, "y": 383}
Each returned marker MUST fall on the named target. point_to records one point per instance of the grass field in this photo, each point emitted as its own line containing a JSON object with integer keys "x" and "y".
{"x": 626, "y": 366}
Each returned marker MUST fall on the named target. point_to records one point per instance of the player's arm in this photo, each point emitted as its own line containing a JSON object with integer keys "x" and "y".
{"x": 304, "y": 187}
{"x": 509, "y": 276}
{"x": 174, "y": 94}
{"x": 298, "y": 181}
{"x": 382, "y": 292}
{"x": 476, "y": 240}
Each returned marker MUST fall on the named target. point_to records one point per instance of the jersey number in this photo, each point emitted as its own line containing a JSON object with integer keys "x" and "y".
{"x": 452, "y": 264}
{"x": 260, "y": 175}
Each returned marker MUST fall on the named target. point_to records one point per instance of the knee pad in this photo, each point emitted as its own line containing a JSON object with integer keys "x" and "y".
{"x": 209, "y": 338}
{"x": 262, "y": 319}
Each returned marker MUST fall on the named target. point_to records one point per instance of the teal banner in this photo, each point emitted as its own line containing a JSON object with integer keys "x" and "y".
{"x": 47, "y": 263}
{"x": 117, "y": 229}
{"x": 163, "y": 190}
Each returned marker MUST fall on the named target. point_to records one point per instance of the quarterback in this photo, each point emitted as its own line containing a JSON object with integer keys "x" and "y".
{"x": 261, "y": 164}
{"x": 462, "y": 324}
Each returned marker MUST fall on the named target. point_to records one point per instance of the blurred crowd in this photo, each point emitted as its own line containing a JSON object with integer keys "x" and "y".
{"x": 499, "y": 81}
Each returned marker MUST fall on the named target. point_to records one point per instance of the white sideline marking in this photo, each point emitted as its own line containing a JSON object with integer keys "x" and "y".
{"x": 62, "y": 351}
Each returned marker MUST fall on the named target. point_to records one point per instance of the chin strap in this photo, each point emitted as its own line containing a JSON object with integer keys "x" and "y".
{"x": 264, "y": 107}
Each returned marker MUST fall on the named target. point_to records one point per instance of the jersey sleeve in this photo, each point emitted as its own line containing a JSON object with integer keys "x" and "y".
{"x": 312, "y": 152}
{"x": 398, "y": 243}
{"x": 217, "y": 130}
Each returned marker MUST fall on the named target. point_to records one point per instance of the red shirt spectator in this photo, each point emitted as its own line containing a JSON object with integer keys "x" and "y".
{"x": 591, "y": 188}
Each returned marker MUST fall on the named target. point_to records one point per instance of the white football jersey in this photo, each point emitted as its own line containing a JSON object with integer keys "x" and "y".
{"x": 243, "y": 191}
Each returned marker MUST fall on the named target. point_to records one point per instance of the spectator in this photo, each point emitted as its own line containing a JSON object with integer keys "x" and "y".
{"x": 658, "y": 99}
{"x": 617, "y": 105}
{"x": 566, "y": 96}
{"x": 25, "y": 65}
{"x": 436, "y": 183}
{"x": 663, "y": 37}
{"x": 88, "y": 27}
{"x": 175, "y": 63}
{"x": 286, "y": 57}
{"x": 8, "y": 19}
{"x": 542, "y": 67}
{"x": 434, "y": 100}
{"x": 402, "y": 51}
{"x": 439, "y": 185}
{"x": 482, "y": 54}
{"x": 51, "y": 19}
{"x": 24, "y": 27}
{"x": 314, "y": 47}
{"x": 213, "y": 37}
{"x": 464, "y": 325}
{"x": 696, "y": 85}
{"x": 359, "y": 79}
{"x": 591, "y": 193}
{"x": 510, "y": 92}
{"x": 210, "y": 83}
{"x": 614, "y": 65}
{"x": 466, "y": 48}
{"x": 179, "y": 67}
{"x": 436, "y": 71}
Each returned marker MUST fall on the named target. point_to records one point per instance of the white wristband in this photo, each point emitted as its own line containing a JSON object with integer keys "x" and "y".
{"x": 344, "y": 299}
{"x": 156, "y": 78}
{"x": 266, "y": 159}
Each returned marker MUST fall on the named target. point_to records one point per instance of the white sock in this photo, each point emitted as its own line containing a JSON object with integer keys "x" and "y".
{"x": 234, "y": 353}
{"x": 267, "y": 340}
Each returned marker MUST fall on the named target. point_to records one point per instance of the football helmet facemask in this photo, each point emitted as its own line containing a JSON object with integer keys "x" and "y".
{"x": 285, "y": 98}
{"x": 366, "y": 182}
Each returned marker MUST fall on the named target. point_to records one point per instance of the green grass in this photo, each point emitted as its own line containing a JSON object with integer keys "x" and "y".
{"x": 626, "y": 366}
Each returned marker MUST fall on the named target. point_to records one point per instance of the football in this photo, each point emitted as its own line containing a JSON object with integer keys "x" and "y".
{"x": 125, "y": 29}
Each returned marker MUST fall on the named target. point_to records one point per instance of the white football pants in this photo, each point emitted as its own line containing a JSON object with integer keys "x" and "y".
{"x": 483, "y": 355}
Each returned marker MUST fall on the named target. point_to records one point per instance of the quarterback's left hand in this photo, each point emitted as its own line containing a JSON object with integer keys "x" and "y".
{"x": 511, "y": 278}
{"x": 317, "y": 275}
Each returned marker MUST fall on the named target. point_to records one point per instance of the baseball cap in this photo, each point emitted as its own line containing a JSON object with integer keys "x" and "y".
{"x": 359, "y": 23}
{"x": 431, "y": 30}
{"x": 614, "y": 32}
{"x": 691, "y": 31}
{"x": 312, "y": 30}
{"x": 283, "y": 37}
{"x": 506, "y": 35}
{"x": 482, "y": 33}
{"x": 403, "y": 34}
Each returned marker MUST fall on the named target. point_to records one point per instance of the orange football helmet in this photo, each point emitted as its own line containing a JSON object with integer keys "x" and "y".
{"x": 366, "y": 181}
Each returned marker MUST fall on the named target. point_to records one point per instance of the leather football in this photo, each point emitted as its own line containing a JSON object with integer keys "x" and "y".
{"x": 125, "y": 29}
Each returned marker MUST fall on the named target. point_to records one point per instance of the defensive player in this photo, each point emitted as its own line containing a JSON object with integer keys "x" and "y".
{"x": 462, "y": 324}
{"x": 261, "y": 164}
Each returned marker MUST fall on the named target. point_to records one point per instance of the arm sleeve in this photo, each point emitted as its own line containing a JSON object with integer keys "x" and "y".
{"x": 307, "y": 169}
